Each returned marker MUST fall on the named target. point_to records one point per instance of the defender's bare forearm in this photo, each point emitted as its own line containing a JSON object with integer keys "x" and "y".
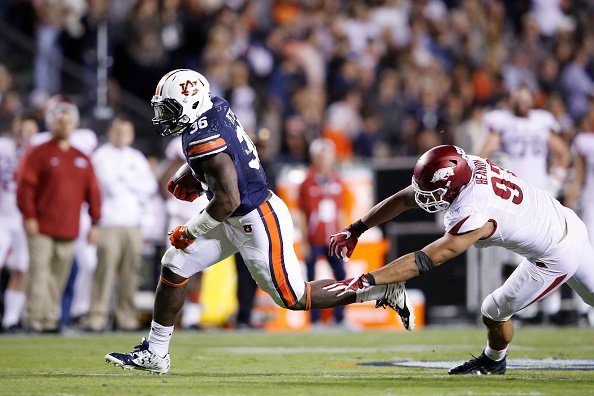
{"x": 399, "y": 270}
{"x": 390, "y": 207}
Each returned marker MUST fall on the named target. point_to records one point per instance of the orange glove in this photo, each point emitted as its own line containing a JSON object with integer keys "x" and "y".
{"x": 179, "y": 237}
{"x": 180, "y": 193}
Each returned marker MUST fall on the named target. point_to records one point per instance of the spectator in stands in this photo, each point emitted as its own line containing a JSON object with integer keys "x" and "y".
{"x": 304, "y": 56}
{"x": 295, "y": 141}
{"x": 53, "y": 181}
{"x": 578, "y": 85}
{"x": 323, "y": 201}
{"x": 344, "y": 122}
{"x": 142, "y": 52}
{"x": 10, "y": 100}
{"x": 126, "y": 181}
{"x": 365, "y": 143}
{"x": 391, "y": 105}
{"x": 243, "y": 97}
{"x": 13, "y": 240}
{"x": 470, "y": 134}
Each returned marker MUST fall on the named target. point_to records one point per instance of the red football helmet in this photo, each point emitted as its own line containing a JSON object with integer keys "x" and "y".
{"x": 439, "y": 176}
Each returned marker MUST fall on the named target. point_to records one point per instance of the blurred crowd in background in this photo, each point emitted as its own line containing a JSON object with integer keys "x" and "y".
{"x": 380, "y": 79}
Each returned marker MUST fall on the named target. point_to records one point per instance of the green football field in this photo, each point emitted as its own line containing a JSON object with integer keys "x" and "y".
{"x": 547, "y": 361}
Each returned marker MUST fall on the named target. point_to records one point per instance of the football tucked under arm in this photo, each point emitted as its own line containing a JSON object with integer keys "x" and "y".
{"x": 184, "y": 186}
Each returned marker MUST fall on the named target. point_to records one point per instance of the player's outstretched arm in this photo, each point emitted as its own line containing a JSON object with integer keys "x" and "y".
{"x": 391, "y": 207}
{"x": 435, "y": 254}
{"x": 343, "y": 243}
{"x": 413, "y": 264}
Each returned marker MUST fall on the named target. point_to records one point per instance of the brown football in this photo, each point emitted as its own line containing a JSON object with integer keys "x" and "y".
{"x": 185, "y": 178}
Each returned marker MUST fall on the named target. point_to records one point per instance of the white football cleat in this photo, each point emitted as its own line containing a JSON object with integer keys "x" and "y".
{"x": 140, "y": 359}
{"x": 397, "y": 299}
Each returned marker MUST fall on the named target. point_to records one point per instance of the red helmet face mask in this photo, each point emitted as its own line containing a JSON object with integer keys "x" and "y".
{"x": 438, "y": 177}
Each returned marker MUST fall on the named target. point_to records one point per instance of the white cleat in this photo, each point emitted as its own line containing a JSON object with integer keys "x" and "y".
{"x": 140, "y": 359}
{"x": 397, "y": 299}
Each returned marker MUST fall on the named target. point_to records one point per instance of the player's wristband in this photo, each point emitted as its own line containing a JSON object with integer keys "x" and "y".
{"x": 358, "y": 226}
{"x": 370, "y": 279}
{"x": 200, "y": 225}
{"x": 424, "y": 263}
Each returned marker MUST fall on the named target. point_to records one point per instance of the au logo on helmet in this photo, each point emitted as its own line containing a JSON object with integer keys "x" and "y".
{"x": 187, "y": 86}
{"x": 442, "y": 174}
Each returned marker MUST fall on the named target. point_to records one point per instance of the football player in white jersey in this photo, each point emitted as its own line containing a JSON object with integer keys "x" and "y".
{"x": 581, "y": 190}
{"x": 485, "y": 205}
{"x": 528, "y": 142}
{"x": 13, "y": 239}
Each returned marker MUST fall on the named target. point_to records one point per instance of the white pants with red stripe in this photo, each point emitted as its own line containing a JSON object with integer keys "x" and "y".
{"x": 571, "y": 260}
{"x": 263, "y": 237}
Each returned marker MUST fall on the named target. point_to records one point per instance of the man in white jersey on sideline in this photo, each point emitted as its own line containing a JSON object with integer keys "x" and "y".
{"x": 581, "y": 190}
{"x": 528, "y": 143}
{"x": 126, "y": 180}
{"x": 14, "y": 251}
{"x": 484, "y": 205}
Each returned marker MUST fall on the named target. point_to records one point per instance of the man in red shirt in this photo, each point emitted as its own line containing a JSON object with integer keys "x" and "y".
{"x": 53, "y": 181}
{"x": 322, "y": 201}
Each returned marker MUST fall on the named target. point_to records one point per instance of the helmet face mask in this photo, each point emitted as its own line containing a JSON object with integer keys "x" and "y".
{"x": 439, "y": 176}
{"x": 431, "y": 201}
{"x": 181, "y": 96}
{"x": 167, "y": 116}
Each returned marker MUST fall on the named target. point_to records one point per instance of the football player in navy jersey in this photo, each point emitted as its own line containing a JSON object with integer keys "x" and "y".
{"x": 242, "y": 215}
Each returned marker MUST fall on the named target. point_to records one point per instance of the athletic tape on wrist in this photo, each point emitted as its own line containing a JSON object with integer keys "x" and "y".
{"x": 423, "y": 262}
{"x": 358, "y": 226}
{"x": 370, "y": 279}
{"x": 200, "y": 225}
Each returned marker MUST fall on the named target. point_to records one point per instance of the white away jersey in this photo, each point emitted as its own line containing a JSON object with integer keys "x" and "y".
{"x": 9, "y": 161}
{"x": 583, "y": 144}
{"x": 524, "y": 141}
{"x": 527, "y": 220}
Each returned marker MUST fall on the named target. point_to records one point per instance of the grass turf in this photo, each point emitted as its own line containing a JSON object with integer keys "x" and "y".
{"x": 324, "y": 363}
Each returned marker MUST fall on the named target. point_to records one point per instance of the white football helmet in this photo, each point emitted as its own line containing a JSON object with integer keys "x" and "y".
{"x": 182, "y": 95}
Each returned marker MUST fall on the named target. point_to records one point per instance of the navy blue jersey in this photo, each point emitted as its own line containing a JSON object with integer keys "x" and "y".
{"x": 219, "y": 131}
